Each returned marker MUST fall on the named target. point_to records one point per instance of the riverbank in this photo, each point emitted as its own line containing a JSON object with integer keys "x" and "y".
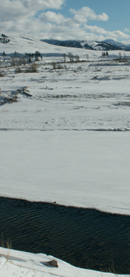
{"x": 16, "y": 263}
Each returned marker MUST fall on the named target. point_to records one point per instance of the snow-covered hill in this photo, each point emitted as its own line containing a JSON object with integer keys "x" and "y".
{"x": 33, "y": 43}
{"x": 92, "y": 45}
{"x": 117, "y": 44}
{"x": 22, "y": 45}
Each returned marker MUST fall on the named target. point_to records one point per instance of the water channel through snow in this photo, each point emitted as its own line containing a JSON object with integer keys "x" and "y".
{"x": 85, "y": 238}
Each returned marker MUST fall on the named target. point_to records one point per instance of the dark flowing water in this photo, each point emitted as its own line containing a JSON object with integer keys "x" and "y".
{"x": 83, "y": 237}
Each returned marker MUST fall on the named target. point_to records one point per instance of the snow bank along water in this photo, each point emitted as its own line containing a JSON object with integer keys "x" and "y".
{"x": 17, "y": 263}
{"x": 82, "y": 237}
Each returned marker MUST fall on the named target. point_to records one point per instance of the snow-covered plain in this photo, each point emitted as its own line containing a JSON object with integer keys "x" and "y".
{"x": 69, "y": 141}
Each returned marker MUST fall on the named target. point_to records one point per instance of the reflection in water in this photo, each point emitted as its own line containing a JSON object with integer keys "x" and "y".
{"x": 83, "y": 237}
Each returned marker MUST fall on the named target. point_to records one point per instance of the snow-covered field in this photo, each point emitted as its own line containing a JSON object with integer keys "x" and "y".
{"x": 64, "y": 132}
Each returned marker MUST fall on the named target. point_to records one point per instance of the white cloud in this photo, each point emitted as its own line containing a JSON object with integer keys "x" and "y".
{"x": 119, "y": 34}
{"x": 95, "y": 29}
{"x": 51, "y": 17}
{"x": 103, "y": 17}
{"x": 85, "y": 14}
{"x": 12, "y": 9}
{"x": 20, "y": 16}
{"x": 114, "y": 34}
{"x": 41, "y": 4}
{"x": 126, "y": 30}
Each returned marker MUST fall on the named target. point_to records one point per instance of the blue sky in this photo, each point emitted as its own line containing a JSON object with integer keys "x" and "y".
{"x": 67, "y": 19}
{"x": 117, "y": 10}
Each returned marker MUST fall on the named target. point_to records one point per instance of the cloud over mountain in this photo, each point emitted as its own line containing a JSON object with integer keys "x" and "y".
{"x": 43, "y": 19}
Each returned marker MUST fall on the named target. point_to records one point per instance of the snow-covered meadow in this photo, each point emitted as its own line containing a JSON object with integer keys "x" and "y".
{"x": 64, "y": 131}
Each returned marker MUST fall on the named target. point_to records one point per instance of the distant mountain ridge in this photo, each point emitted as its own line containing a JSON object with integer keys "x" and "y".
{"x": 118, "y": 44}
{"x": 105, "y": 45}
